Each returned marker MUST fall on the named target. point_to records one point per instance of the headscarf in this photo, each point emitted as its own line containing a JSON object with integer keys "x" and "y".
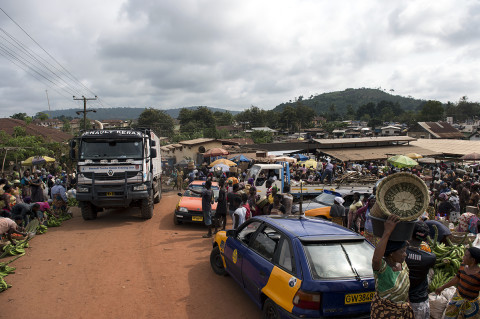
{"x": 475, "y": 253}
{"x": 393, "y": 246}
{"x": 339, "y": 200}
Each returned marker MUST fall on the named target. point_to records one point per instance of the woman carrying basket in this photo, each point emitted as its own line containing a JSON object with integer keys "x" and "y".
{"x": 391, "y": 276}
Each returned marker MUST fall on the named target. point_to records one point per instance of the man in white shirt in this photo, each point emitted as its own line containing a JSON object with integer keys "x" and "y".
{"x": 239, "y": 213}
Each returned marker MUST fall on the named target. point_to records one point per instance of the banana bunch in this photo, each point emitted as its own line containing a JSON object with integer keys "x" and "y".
{"x": 42, "y": 229}
{"x": 6, "y": 270}
{"x": 12, "y": 250}
{"x": 449, "y": 259}
{"x": 3, "y": 285}
{"x": 53, "y": 222}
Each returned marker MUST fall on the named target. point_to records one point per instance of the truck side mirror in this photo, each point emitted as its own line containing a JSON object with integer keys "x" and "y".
{"x": 153, "y": 143}
{"x": 73, "y": 143}
{"x": 72, "y": 154}
{"x": 153, "y": 153}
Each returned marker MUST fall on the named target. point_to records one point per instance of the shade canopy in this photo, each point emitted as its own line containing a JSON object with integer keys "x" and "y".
{"x": 285, "y": 159}
{"x": 471, "y": 157}
{"x": 301, "y": 157}
{"x": 309, "y": 163}
{"x": 220, "y": 167}
{"x": 402, "y": 161}
{"x": 414, "y": 155}
{"x": 222, "y": 161}
{"x": 215, "y": 152}
{"x": 38, "y": 160}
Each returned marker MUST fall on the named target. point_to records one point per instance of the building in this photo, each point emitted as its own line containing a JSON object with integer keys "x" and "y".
{"x": 434, "y": 130}
{"x": 189, "y": 150}
{"x": 318, "y": 120}
{"x": 391, "y": 130}
{"x": 48, "y": 134}
{"x": 108, "y": 124}
{"x": 52, "y": 123}
{"x": 264, "y": 129}
{"x": 231, "y": 129}
{"x": 475, "y": 136}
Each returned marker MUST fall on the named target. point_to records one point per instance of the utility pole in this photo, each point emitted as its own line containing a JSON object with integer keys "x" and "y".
{"x": 85, "y": 99}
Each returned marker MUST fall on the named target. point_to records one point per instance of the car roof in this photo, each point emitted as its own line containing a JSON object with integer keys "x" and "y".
{"x": 310, "y": 229}
{"x": 203, "y": 183}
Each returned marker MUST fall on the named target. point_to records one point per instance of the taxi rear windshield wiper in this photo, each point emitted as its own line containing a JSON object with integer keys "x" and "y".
{"x": 357, "y": 276}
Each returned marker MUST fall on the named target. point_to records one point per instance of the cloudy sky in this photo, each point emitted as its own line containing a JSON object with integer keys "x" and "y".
{"x": 233, "y": 54}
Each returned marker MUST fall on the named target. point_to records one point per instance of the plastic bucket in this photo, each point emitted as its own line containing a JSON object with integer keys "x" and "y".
{"x": 403, "y": 230}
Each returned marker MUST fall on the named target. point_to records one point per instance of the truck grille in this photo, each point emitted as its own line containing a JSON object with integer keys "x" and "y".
{"x": 116, "y": 178}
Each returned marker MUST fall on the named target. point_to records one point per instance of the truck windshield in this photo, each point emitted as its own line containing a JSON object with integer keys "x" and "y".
{"x": 111, "y": 149}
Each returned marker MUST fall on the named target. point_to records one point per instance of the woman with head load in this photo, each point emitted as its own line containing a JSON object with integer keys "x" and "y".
{"x": 391, "y": 276}
{"x": 465, "y": 301}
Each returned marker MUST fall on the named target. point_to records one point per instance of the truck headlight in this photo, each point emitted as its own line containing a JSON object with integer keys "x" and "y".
{"x": 142, "y": 187}
{"x": 82, "y": 189}
{"x": 183, "y": 209}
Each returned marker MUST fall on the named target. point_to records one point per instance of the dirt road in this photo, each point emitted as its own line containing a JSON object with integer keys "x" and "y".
{"x": 120, "y": 266}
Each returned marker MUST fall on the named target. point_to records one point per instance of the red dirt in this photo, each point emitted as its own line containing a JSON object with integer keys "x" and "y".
{"x": 120, "y": 266}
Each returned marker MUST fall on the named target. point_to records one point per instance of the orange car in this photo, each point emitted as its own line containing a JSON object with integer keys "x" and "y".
{"x": 189, "y": 207}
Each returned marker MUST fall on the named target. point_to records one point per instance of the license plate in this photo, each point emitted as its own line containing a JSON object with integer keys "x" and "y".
{"x": 359, "y": 298}
{"x": 197, "y": 218}
{"x": 110, "y": 193}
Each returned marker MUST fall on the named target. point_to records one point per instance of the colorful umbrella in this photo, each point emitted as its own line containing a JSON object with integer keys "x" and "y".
{"x": 402, "y": 161}
{"x": 220, "y": 167}
{"x": 215, "y": 152}
{"x": 301, "y": 157}
{"x": 285, "y": 159}
{"x": 240, "y": 158}
{"x": 37, "y": 160}
{"x": 471, "y": 157}
{"x": 414, "y": 155}
{"x": 222, "y": 161}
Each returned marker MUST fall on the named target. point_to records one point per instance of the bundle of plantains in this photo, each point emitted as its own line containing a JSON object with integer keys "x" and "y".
{"x": 449, "y": 259}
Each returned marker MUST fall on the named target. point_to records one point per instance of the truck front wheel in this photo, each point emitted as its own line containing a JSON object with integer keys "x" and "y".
{"x": 146, "y": 207}
{"x": 88, "y": 212}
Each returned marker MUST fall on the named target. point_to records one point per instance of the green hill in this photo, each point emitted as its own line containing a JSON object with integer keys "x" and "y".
{"x": 120, "y": 113}
{"x": 354, "y": 97}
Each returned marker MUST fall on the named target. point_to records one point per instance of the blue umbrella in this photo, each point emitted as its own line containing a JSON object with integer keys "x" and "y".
{"x": 240, "y": 158}
{"x": 301, "y": 157}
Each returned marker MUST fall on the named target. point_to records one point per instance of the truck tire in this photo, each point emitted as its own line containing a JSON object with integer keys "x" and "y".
{"x": 146, "y": 208}
{"x": 88, "y": 212}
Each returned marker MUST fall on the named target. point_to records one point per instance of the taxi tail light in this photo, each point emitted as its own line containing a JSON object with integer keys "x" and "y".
{"x": 307, "y": 300}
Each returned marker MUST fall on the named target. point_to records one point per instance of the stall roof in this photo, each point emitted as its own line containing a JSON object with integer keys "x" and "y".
{"x": 362, "y": 142}
{"x": 449, "y": 147}
{"x": 374, "y": 153}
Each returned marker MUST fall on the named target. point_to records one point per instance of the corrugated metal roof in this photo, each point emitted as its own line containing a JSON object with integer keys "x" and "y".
{"x": 441, "y": 129}
{"x": 374, "y": 153}
{"x": 362, "y": 141}
{"x": 449, "y": 147}
{"x": 49, "y": 134}
{"x": 197, "y": 141}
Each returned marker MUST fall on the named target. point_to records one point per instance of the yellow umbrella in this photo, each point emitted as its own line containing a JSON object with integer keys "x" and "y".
{"x": 222, "y": 161}
{"x": 37, "y": 160}
{"x": 309, "y": 163}
{"x": 413, "y": 155}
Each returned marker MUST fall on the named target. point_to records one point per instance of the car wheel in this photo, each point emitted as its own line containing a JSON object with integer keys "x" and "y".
{"x": 175, "y": 220}
{"x": 270, "y": 310}
{"x": 216, "y": 262}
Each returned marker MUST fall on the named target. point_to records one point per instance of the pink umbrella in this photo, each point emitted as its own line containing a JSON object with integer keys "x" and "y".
{"x": 215, "y": 152}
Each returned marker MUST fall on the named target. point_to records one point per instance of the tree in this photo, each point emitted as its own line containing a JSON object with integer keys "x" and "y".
{"x": 185, "y": 116}
{"x": 350, "y": 115}
{"x": 19, "y": 116}
{"x": 41, "y": 116}
{"x": 88, "y": 125}
{"x": 159, "y": 121}
{"x": 223, "y": 118}
{"x": 260, "y": 137}
{"x": 66, "y": 126}
{"x": 431, "y": 111}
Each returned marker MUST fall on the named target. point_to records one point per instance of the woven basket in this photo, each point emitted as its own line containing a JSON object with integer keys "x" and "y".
{"x": 402, "y": 194}
{"x": 376, "y": 211}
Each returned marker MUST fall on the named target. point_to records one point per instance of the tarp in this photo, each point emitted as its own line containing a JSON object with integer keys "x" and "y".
{"x": 301, "y": 157}
{"x": 240, "y": 158}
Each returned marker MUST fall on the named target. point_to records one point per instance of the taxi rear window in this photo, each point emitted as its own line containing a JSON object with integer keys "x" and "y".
{"x": 339, "y": 259}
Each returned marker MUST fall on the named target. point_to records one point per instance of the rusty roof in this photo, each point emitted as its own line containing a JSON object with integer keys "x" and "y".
{"x": 441, "y": 129}
{"x": 49, "y": 134}
{"x": 375, "y": 153}
{"x": 197, "y": 141}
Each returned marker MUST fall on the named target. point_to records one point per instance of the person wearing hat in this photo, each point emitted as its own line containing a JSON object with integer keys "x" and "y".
{"x": 465, "y": 302}
{"x": 444, "y": 207}
{"x": 392, "y": 281}
{"x": 337, "y": 211}
{"x": 419, "y": 263}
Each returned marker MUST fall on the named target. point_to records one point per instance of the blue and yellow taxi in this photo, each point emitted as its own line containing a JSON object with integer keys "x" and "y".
{"x": 298, "y": 267}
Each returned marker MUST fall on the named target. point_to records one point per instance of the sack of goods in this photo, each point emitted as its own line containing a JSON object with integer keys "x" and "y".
{"x": 404, "y": 195}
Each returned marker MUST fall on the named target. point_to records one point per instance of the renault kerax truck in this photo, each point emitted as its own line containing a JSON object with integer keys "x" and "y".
{"x": 117, "y": 168}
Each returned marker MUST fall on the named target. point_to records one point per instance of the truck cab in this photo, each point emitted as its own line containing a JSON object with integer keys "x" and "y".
{"x": 117, "y": 168}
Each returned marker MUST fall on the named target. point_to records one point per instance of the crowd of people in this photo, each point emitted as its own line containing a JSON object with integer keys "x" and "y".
{"x": 35, "y": 195}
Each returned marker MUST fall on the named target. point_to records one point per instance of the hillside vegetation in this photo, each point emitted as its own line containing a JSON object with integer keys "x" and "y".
{"x": 355, "y": 98}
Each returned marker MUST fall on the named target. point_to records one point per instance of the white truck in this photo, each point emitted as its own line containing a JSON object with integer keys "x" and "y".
{"x": 117, "y": 168}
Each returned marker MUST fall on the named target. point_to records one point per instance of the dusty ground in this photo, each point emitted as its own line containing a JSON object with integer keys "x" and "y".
{"x": 120, "y": 266}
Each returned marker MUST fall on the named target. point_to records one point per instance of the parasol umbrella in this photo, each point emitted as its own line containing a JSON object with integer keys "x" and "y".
{"x": 240, "y": 158}
{"x": 402, "y": 161}
{"x": 37, "y": 160}
{"x": 413, "y": 155}
{"x": 471, "y": 157}
{"x": 215, "y": 152}
{"x": 220, "y": 167}
{"x": 222, "y": 161}
{"x": 301, "y": 157}
{"x": 309, "y": 163}
{"x": 286, "y": 159}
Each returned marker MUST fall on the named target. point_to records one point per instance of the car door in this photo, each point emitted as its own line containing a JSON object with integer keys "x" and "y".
{"x": 237, "y": 246}
{"x": 258, "y": 261}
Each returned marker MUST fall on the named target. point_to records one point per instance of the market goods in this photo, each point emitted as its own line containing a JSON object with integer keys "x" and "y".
{"x": 449, "y": 259}
{"x": 42, "y": 229}
{"x": 53, "y": 222}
